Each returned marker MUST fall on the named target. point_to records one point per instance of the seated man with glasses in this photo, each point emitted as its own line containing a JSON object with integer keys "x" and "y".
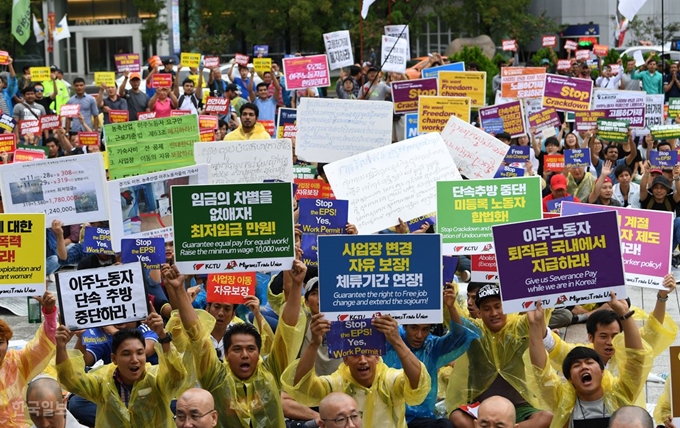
{"x": 196, "y": 408}
{"x": 338, "y": 410}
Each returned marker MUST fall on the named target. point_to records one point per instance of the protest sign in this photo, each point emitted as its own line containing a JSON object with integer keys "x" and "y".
{"x": 665, "y": 132}
{"x": 509, "y": 45}
{"x": 256, "y": 219}
{"x": 310, "y": 253}
{"x": 509, "y": 172}
{"x": 148, "y": 115}
{"x": 161, "y": 80}
{"x": 587, "y": 120}
{"x": 139, "y": 207}
{"x": 600, "y": 50}
{"x": 554, "y": 163}
{"x": 40, "y": 74}
{"x": 155, "y": 61}
{"x": 22, "y": 260}
{"x": 434, "y": 112}
{"x": 206, "y": 135}
{"x": 261, "y": 50}
{"x": 149, "y": 251}
{"x": 217, "y": 105}
{"x": 152, "y": 145}
{"x": 312, "y": 188}
{"x": 97, "y": 240}
{"x": 522, "y": 82}
{"x": 304, "y": 171}
{"x": 70, "y": 110}
{"x": 306, "y": 72}
{"x": 107, "y": 78}
{"x": 70, "y": 189}
{"x": 406, "y": 268}
{"x": 190, "y": 59}
{"x": 127, "y": 62}
{"x": 206, "y": 121}
{"x": 449, "y": 265}
{"x": 4, "y": 58}
{"x": 434, "y": 71}
{"x": 476, "y": 153}
{"x": 7, "y": 123}
{"x": 673, "y": 107}
{"x": 561, "y": 261}
{"x": 466, "y": 210}
{"x": 394, "y": 54}
{"x": 567, "y": 93}
{"x": 646, "y": 238}
{"x": 416, "y": 223}
{"x": 470, "y": 84}
{"x": 49, "y": 122}
{"x": 287, "y": 123}
{"x": 268, "y": 126}
{"x": 621, "y": 105}
{"x": 612, "y": 130}
{"x": 339, "y": 49}
{"x": 29, "y": 126}
{"x": 411, "y": 125}
{"x": 544, "y": 119}
{"x": 246, "y": 161}
{"x": 323, "y": 216}
{"x": 654, "y": 110}
{"x": 582, "y": 55}
{"x": 262, "y": 65}
{"x": 28, "y": 155}
{"x": 211, "y": 61}
{"x": 396, "y": 181}
{"x": 510, "y": 116}
{"x": 354, "y": 338}
{"x": 88, "y": 138}
{"x": 332, "y": 129}
{"x": 241, "y": 59}
{"x": 563, "y": 64}
{"x": 548, "y": 41}
{"x": 555, "y": 205}
{"x": 483, "y": 268}
{"x": 577, "y": 157}
{"x": 232, "y": 288}
{"x": 103, "y": 296}
{"x": 663, "y": 159}
{"x": 400, "y": 31}
{"x": 570, "y": 45}
{"x": 518, "y": 154}
{"x": 405, "y": 93}
{"x": 8, "y": 143}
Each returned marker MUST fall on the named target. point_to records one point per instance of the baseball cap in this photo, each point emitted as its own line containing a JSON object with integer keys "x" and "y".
{"x": 367, "y": 64}
{"x": 135, "y": 76}
{"x": 168, "y": 61}
{"x": 54, "y": 68}
{"x": 486, "y": 292}
{"x": 371, "y": 68}
{"x": 311, "y": 285}
{"x": 656, "y": 170}
{"x": 607, "y": 180}
{"x": 558, "y": 182}
{"x": 545, "y": 61}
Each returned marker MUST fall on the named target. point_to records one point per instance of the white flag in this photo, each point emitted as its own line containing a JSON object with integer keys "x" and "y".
{"x": 364, "y": 7}
{"x": 62, "y": 32}
{"x": 38, "y": 31}
{"x": 630, "y": 8}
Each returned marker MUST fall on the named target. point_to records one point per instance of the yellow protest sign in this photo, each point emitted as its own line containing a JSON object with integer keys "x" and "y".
{"x": 435, "y": 112}
{"x": 22, "y": 237}
{"x": 188, "y": 59}
{"x": 262, "y": 65}
{"x": 464, "y": 84}
{"x": 106, "y": 77}
{"x": 40, "y": 74}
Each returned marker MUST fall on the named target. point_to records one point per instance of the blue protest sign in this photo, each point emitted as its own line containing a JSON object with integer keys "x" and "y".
{"x": 361, "y": 276}
{"x": 149, "y": 251}
{"x": 663, "y": 159}
{"x": 517, "y": 154}
{"x": 310, "y": 250}
{"x": 416, "y": 223}
{"x": 261, "y": 49}
{"x": 323, "y": 216}
{"x": 434, "y": 71}
{"x": 97, "y": 240}
{"x": 578, "y": 157}
{"x": 508, "y": 172}
{"x": 494, "y": 125}
{"x": 555, "y": 205}
{"x": 411, "y": 125}
{"x": 355, "y": 337}
{"x": 450, "y": 263}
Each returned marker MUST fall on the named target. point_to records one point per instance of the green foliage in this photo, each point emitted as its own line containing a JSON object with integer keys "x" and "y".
{"x": 543, "y": 53}
{"x": 153, "y": 29}
{"x": 649, "y": 30}
{"x": 475, "y": 54}
{"x": 612, "y": 57}
{"x": 498, "y": 58}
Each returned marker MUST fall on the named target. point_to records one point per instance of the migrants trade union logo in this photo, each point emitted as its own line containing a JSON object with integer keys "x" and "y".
{"x": 487, "y": 247}
{"x": 561, "y": 299}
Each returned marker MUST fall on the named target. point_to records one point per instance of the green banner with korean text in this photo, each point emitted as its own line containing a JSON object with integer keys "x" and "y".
{"x": 613, "y": 130}
{"x": 233, "y": 227}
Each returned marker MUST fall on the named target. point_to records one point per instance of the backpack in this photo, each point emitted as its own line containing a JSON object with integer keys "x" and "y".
{"x": 192, "y": 98}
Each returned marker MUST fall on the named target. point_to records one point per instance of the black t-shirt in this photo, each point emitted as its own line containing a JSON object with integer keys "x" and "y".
{"x": 674, "y": 91}
{"x": 650, "y": 203}
{"x": 45, "y": 102}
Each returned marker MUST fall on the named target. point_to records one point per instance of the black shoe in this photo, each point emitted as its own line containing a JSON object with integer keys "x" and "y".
{"x": 676, "y": 261}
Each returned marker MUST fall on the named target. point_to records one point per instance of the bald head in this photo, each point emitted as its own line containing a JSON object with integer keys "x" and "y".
{"x": 631, "y": 417}
{"x": 45, "y": 402}
{"x": 496, "y": 412}
{"x": 43, "y": 388}
{"x": 339, "y": 405}
{"x": 197, "y": 405}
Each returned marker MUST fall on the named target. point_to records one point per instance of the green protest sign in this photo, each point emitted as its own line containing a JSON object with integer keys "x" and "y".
{"x": 233, "y": 227}
{"x": 673, "y": 107}
{"x": 304, "y": 171}
{"x": 466, "y": 210}
{"x": 146, "y": 146}
{"x": 612, "y": 130}
{"x": 665, "y": 132}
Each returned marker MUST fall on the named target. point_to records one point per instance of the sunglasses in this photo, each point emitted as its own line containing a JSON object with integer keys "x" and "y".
{"x": 39, "y": 90}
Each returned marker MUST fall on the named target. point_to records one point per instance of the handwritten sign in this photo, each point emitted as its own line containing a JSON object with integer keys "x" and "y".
{"x": 654, "y": 104}
{"x": 434, "y": 112}
{"x": 306, "y": 72}
{"x": 127, "y": 62}
{"x": 470, "y": 84}
{"x": 522, "y": 82}
{"x": 338, "y": 49}
{"x": 510, "y": 116}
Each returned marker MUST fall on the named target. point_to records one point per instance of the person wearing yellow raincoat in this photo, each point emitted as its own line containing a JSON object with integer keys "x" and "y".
{"x": 246, "y": 387}
{"x": 493, "y": 364}
{"x": 19, "y": 367}
{"x": 662, "y": 410}
{"x": 129, "y": 392}
{"x": 590, "y": 394}
{"x": 381, "y": 392}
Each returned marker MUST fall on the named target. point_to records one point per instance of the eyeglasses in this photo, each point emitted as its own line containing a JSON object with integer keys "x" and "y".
{"x": 342, "y": 421}
{"x": 181, "y": 418}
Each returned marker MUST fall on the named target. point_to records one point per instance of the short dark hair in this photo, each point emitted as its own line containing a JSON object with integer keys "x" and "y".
{"x": 474, "y": 286}
{"x": 241, "y": 328}
{"x": 621, "y": 169}
{"x": 51, "y": 140}
{"x": 611, "y": 147}
{"x": 187, "y": 80}
{"x": 602, "y": 317}
{"x": 577, "y": 354}
{"x": 251, "y": 106}
{"x": 663, "y": 143}
{"x": 124, "y": 334}
{"x": 221, "y": 123}
{"x": 261, "y": 84}
{"x": 29, "y": 88}
{"x": 552, "y": 140}
{"x": 265, "y": 73}
{"x": 473, "y": 65}
{"x": 78, "y": 80}
{"x": 354, "y": 70}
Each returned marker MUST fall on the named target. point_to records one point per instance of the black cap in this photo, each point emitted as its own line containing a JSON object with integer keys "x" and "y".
{"x": 168, "y": 61}
{"x": 54, "y": 68}
{"x": 371, "y": 68}
{"x": 660, "y": 179}
{"x": 232, "y": 87}
{"x": 486, "y": 292}
{"x": 503, "y": 136}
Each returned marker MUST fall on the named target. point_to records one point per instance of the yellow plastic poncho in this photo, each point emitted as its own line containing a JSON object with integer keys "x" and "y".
{"x": 490, "y": 356}
{"x": 255, "y": 402}
{"x": 383, "y": 404}
{"x": 258, "y": 133}
{"x": 559, "y": 396}
{"x": 581, "y": 190}
{"x": 17, "y": 369}
{"x": 149, "y": 404}
{"x": 662, "y": 410}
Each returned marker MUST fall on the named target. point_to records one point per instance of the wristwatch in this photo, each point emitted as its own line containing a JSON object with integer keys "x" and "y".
{"x": 166, "y": 339}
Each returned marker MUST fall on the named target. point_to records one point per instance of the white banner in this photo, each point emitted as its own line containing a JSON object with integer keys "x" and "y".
{"x": 621, "y": 105}
{"x": 234, "y": 162}
{"x": 476, "y": 153}
{"x": 139, "y": 207}
{"x": 397, "y": 181}
{"x": 396, "y": 31}
{"x": 653, "y": 112}
{"x": 69, "y": 188}
{"x": 338, "y": 49}
{"x": 330, "y": 129}
{"x": 394, "y": 54}
{"x": 104, "y": 296}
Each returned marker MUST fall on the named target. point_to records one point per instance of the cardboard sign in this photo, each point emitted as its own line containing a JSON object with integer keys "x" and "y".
{"x": 548, "y": 41}
{"x": 29, "y": 126}
{"x": 206, "y": 121}
{"x": 88, "y": 138}
{"x": 211, "y": 61}
{"x": 510, "y": 116}
{"x": 107, "y": 78}
{"x": 587, "y": 120}
{"x": 25, "y": 155}
{"x": 8, "y": 143}
{"x": 97, "y": 240}
{"x": 287, "y": 123}
{"x": 241, "y": 59}
{"x": 509, "y": 45}
{"x": 69, "y": 110}
{"x": 128, "y": 62}
{"x": 4, "y": 58}
{"x": 600, "y": 50}
{"x": 570, "y": 45}
{"x": 405, "y": 94}
{"x": 257, "y": 219}
{"x": 262, "y": 65}
{"x": 338, "y": 49}
{"x": 312, "y": 188}
{"x": 306, "y": 72}
{"x": 146, "y": 115}
{"x": 190, "y": 59}
{"x": 561, "y": 261}
{"x": 663, "y": 159}
{"x": 467, "y": 209}
{"x": 664, "y": 132}
{"x": 434, "y": 112}
{"x": 149, "y": 251}
{"x": 544, "y": 119}
{"x": 567, "y": 93}
{"x": 483, "y": 268}
{"x": 161, "y": 80}
{"x": 612, "y": 130}
{"x": 119, "y": 116}
{"x": 103, "y": 296}
{"x": 464, "y": 84}
{"x": 522, "y": 82}
{"x": 323, "y": 216}
{"x": 40, "y": 74}
{"x": 354, "y": 338}
{"x": 577, "y": 157}
{"x": 232, "y": 288}
{"x": 554, "y": 163}
{"x": 216, "y": 105}
{"x": 402, "y": 275}
{"x": 394, "y": 54}
{"x": 22, "y": 237}
{"x": 621, "y": 105}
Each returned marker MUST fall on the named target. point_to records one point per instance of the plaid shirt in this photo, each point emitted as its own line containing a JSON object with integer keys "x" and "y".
{"x": 123, "y": 390}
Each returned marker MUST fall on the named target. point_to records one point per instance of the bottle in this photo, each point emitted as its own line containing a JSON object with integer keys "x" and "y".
{"x": 34, "y": 311}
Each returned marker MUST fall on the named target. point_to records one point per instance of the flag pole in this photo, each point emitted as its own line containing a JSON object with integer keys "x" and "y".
{"x": 361, "y": 34}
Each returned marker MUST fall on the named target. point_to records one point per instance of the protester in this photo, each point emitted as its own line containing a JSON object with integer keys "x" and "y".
{"x": 628, "y": 83}
{"x": 249, "y": 129}
{"x": 9, "y": 85}
{"x": 338, "y": 409}
{"x": 652, "y": 81}
{"x": 111, "y": 102}
{"x": 671, "y": 82}
{"x": 196, "y": 408}
{"x": 56, "y": 84}
{"x": 47, "y": 405}
{"x": 192, "y": 98}
{"x": 496, "y": 412}
{"x": 266, "y": 103}
{"x": 558, "y": 190}
{"x": 603, "y": 191}
{"x": 625, "y": 191}
{"x": 631, "y": 417}
{"x": 163, "y": 102}
{"x": 137, "y": 101}
{"x": 374, "y": 89}
{"x": 27, "y": 109}
{"x": 88, "y": 108}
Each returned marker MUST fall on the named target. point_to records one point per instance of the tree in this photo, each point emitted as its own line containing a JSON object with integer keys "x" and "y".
{"x": 153, "y": 28}
{"x": 649, "y": 30}
{"x": 471, "y": 54}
